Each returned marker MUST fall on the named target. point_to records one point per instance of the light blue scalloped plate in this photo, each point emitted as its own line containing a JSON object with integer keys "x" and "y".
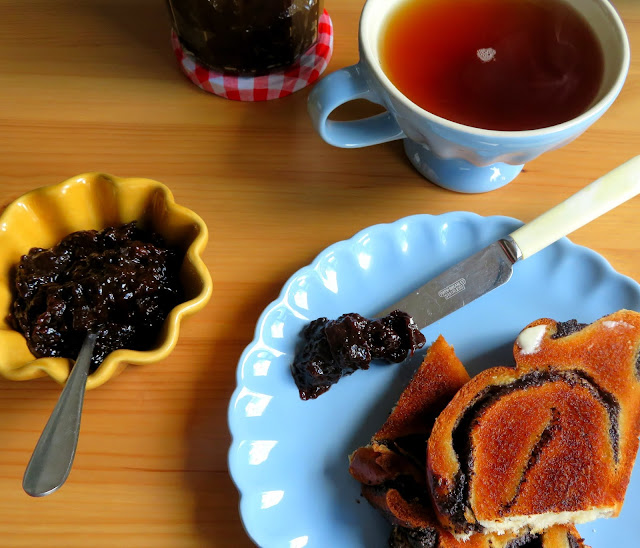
{"x": 289, "y": 458}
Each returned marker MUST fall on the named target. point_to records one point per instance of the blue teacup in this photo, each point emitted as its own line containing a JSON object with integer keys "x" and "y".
{"x": 452, "y": 155}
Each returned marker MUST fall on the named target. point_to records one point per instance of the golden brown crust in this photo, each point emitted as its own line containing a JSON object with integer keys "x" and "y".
{"x": 431, "y": 388}
{"x": 562, "y": 537}
{"x": 393, "y": 478}
{"x": 559, "y": 433}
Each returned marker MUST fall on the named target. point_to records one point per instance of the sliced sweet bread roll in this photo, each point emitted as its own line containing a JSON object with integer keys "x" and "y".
{"x": 551, "y": 441}
{"x": 391, "y": 468}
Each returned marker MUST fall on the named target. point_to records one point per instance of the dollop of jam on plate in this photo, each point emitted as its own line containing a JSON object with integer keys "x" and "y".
{"x": 120, "y": 283}
{"x": 332, "y": 349}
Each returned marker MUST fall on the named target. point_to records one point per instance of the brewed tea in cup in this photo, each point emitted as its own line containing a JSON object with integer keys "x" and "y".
{"x": 493, "y": 64}
{"x": 476, "y": 88}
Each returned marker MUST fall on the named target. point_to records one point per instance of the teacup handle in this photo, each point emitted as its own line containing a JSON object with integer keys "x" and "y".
{"x": 340, "y": 87}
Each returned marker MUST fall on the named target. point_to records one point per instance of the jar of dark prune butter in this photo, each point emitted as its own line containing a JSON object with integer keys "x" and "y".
{"x": 246, "y": 37}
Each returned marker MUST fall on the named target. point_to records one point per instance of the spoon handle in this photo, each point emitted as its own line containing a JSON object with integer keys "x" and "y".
{"x": 52, "y": 458}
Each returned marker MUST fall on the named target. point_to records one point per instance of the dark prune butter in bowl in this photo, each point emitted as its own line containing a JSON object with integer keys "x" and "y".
{"x": 97, "y": 253}
{"x": 119, "y": 283}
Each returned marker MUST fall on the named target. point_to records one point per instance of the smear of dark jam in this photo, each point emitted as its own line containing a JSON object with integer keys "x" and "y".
{"x": 456, "y": 502}
{"x": 332, "y": 349}
{"x": 403, "y": 537}
{"x": 120, "y": 282}
{"x": 564, "y": 329}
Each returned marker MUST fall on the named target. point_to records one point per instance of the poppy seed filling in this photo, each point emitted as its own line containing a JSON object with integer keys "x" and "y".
{"x": 455, "y": 503}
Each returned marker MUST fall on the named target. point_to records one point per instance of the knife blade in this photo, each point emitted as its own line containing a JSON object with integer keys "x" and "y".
{"x": 493, "y": 266}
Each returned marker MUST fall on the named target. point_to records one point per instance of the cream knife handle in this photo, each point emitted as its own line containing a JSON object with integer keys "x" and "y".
{"x": 609, "y": 191}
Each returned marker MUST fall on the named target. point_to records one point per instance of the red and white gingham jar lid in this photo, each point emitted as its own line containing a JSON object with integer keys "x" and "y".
{"x": 306, "y": 70}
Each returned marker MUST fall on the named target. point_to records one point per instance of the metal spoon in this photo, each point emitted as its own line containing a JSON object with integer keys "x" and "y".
{"x": 52, "y": 458}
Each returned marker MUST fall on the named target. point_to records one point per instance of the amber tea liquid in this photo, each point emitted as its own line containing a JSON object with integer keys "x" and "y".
{"x": 493, "y": 64}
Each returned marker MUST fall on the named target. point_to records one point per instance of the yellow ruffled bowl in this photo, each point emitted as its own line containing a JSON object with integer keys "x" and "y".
{"x": 44, "y": 216}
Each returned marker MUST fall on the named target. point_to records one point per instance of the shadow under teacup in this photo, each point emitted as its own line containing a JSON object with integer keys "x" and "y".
{"x": 453, "y": 155}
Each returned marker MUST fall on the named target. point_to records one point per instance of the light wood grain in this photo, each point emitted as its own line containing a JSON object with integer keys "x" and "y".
{"x": 93, "y": 85}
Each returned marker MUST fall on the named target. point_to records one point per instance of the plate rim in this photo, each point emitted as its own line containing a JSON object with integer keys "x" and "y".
{"x": 565, "y": 242}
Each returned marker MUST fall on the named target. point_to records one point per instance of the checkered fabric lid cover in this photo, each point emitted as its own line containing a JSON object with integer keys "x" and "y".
{"x": 269, "y": 86}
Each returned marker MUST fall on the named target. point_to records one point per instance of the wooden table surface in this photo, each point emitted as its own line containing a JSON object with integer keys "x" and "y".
{"x": 93, "y": 85}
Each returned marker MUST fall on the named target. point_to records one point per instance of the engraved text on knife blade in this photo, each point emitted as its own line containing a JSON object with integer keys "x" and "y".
{"x": 459, "y": 285}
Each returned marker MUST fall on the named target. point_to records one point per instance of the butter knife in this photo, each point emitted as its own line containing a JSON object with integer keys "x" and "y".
{"x": 492, "y": 267}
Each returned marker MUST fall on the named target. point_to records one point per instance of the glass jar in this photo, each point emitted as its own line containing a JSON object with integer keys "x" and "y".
{"x": 249, "y": 37}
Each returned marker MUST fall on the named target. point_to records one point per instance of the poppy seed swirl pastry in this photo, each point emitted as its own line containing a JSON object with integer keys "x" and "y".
{"x": 392, "y": 471}
{"x": 548, "y": 442}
